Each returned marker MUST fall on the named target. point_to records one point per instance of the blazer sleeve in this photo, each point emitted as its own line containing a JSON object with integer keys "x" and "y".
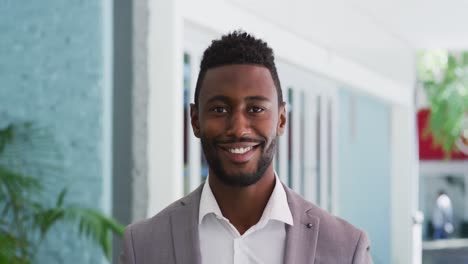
{"x": 127, "y": 255}
{"x": 362, "y": 253}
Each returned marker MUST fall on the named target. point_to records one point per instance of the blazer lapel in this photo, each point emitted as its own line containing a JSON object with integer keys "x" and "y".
{"x": 301, "y": 238}
{"x": 184, "y": 223}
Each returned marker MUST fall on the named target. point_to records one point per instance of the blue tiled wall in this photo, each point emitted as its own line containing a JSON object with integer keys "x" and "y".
{"x": 51, "y": 73}
{"x": 364, "y": 169}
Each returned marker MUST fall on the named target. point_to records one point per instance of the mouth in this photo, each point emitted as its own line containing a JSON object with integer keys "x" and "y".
{"x": 239, "y": 152}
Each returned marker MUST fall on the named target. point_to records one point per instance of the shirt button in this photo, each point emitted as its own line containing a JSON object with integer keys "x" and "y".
{"x": 309, "y": 225}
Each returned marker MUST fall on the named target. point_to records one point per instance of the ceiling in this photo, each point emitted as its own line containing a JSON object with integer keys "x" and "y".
{"x": 421, "y": 24}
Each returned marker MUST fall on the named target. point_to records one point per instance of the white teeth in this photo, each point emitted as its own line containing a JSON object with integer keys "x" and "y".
{"x": 240, "y": 150}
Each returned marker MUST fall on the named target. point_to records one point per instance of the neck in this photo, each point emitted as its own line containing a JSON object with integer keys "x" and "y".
{"x": 243, "y": 206}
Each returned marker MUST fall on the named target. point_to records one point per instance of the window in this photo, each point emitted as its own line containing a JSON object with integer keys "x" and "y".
{"x": 186, "y": 119}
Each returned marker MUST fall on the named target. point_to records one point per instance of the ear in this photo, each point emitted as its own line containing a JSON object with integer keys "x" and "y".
{"x": 281, "y": 119}
{"x": 194, "y": 120}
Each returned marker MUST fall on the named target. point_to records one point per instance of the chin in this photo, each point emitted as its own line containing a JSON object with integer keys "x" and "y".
{"x": 240, "y": 178}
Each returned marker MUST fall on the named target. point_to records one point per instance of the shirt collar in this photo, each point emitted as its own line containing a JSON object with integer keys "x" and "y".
{"x": 277, "y": 207}
{"x": 208, "y": 204}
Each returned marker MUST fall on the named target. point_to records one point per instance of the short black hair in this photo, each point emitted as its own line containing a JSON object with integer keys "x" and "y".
{"x": 238, "y": 47}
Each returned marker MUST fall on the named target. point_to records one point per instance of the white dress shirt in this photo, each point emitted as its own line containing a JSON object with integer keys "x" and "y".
{"x": 264, "y": 242}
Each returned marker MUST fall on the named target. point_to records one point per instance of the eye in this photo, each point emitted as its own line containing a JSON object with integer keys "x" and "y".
{"x": 256, "y": 109}
{"x": 219, "y": 109}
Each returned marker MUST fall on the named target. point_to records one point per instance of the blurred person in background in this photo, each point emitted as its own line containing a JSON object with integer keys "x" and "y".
{"x": 442, "y": 216}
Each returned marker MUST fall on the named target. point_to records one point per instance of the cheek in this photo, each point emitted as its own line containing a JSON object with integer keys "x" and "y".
{"x": 268, "y": 129}
{"x": 271, "y": 124}
{"x": 211, "y": 128}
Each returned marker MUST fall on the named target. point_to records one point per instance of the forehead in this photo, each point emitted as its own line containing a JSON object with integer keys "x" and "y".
{"x": 238, "y": 81}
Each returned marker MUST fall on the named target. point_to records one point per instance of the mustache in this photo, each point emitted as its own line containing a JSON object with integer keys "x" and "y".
{"x": 238, "y": 140}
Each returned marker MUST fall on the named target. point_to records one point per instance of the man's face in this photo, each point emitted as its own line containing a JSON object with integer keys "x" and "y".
{"x": 238, "y": 120}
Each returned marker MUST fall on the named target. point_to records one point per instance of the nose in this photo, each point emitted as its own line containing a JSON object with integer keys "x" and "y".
{"x": 238, "y": 125}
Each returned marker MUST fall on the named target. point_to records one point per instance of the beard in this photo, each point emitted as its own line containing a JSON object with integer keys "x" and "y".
{"x": 238, "y": 179}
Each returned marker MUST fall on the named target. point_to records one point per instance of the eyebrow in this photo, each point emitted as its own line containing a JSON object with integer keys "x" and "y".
{"x": 257, "y": 98}
{"x": 223, "y": 98}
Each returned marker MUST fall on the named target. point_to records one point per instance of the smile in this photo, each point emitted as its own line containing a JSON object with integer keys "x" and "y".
{"x": 240, "y": 150}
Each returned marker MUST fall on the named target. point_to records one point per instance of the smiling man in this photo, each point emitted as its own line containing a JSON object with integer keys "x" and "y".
{"x": 242, "y": 213}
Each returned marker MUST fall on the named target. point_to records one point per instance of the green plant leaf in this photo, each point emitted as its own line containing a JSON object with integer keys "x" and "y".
{"x": 7, "y": 248}
{"x": 95, "y": 226}
{"x": 24, "y": 215}
{"x": 61, "y": 197}
{"x": 447, "y": 94}
{"x": 45, "y": 219}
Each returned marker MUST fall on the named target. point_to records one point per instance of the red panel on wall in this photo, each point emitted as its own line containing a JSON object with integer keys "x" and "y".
{"x": 427, "y": 151}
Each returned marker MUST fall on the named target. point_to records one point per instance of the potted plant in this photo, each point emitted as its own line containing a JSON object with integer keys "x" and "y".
{"x": 26, "y": 219}
{"x": 444, "y": 76}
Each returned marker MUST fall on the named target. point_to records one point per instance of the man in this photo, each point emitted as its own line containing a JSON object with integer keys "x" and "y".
{"x": 442, "y": 216}
{"x": 242, "y": 213}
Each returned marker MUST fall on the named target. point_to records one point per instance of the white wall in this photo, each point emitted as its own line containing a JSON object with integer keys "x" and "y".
{"x": 340, "y": 27}
{"x": 165, "y": 114}
{"x": 406, "y": 236}
{"x": 327, "y": 38}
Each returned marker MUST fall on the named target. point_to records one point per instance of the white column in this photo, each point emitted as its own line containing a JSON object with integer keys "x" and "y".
{"x": 465, "y": 217}
{"x": 165, "y": 104}
{"x": 194, "y": 142}
{"x": 296, "y": 142}
{"x": 334, "y": 152}
{"x": 310, "y": 145}
{"x": 107, "y": 96}
{"x": 324, "y": 174}
{"x": 405, "y": 235}
{"x": 283, "y": 145}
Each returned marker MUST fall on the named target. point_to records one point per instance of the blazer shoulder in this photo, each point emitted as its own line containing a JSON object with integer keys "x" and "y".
{"x": 149, "y": 240}
{"x": 159, "y": 225}
{"x": 333, "y": 225}
{"x": 336, "y": 236}
{"x": 332, "y": 222}
{"x": 152, "y": 230}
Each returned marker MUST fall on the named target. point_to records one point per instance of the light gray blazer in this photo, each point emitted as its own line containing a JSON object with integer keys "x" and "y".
{"x": 171, "y": 236}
